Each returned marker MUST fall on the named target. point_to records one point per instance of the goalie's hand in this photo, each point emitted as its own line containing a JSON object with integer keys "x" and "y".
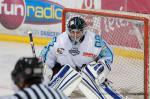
{"x": 98, "y": 71}
{"x": 95, "y": 68}
{"x": 47, "y": 73}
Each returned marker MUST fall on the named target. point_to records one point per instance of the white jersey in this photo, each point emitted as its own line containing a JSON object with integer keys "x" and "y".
{"x": 37, "y": 91}
{"x": 62, "y": 51}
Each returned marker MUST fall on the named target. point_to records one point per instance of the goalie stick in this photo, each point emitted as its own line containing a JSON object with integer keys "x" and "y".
{"x": 32, "y": 43}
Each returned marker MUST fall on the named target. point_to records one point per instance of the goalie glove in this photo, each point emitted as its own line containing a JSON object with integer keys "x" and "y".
{"x": 98, "y": 71}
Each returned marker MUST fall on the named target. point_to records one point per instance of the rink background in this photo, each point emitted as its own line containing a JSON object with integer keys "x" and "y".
{"x": 10, "y": 52}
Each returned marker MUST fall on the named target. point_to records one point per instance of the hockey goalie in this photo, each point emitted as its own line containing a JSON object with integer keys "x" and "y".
{"x": 80, "y": 58}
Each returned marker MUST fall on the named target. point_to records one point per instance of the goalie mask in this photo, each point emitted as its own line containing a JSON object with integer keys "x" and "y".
{"x": 28, "y": 70}
{"x": 76, "y": 27}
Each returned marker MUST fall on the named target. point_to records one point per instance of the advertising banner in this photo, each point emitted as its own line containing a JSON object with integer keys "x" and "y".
{"x": 43, "y": 17}
{"x": 139, "y": 6}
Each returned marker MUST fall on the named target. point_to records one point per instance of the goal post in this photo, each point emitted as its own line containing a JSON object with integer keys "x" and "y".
{"x": 127, "y": 33}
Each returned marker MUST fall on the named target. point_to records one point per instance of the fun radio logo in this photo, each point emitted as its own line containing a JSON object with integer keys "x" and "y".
{"x": 12, "y": 13}
{"x": 15, "y": 12}
{"x": 43, "y": 12}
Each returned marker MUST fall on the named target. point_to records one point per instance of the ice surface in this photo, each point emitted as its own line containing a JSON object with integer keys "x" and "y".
{"x": 10, "y": 52}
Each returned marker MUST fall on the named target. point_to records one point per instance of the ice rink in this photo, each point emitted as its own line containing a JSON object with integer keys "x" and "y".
{"x": 9, "y": 54}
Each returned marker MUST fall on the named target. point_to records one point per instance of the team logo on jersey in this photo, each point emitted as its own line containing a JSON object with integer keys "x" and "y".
{"x": 74, "y": 51}
{"x": 60, "y": 50}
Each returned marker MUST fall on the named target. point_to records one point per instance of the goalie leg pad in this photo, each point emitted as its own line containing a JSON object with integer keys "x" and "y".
{"x": 89, "y": 87}
{"x": 111, "y": 92}
{"x": 66, "y": 80}
{"x": 96, "y": 91}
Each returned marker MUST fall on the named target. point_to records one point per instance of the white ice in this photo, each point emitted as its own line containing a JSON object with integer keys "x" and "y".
{"x": 10, "y": 52}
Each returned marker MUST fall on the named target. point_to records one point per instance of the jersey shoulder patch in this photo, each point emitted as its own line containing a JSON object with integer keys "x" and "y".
{"x": 98, "y": 41}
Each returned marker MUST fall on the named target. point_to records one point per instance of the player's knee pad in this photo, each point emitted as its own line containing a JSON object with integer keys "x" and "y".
{"x": 67, "y": 79}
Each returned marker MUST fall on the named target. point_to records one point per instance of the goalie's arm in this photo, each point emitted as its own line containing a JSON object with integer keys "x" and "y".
{"x": 95, "y": 73}
{"x": 106, "y": 55}
{"x": 102, "y": 64}
{"x": 48, "y": 56}
{"x": 48, "y": 53}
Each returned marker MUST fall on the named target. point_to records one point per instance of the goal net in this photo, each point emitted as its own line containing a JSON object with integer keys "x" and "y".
{"x": 127, "y": 33}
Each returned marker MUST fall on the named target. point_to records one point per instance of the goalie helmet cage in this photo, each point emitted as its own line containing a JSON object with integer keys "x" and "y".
{"x": 127, "y": 33}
